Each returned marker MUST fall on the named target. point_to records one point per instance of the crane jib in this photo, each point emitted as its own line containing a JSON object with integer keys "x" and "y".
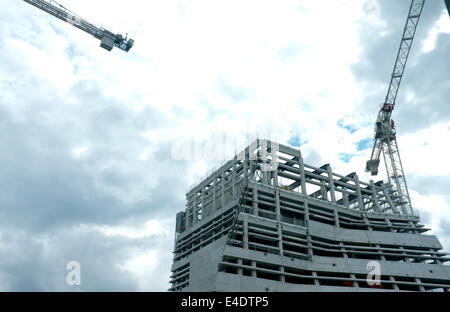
{"x": 108, "y": 39}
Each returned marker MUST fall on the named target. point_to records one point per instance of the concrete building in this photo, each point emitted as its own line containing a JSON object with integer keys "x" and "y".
{"x": 265, "y": 221}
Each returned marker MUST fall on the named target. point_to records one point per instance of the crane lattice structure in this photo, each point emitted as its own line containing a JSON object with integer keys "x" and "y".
{"x": 385, "y": 136}
{"x": 107, "y": 38}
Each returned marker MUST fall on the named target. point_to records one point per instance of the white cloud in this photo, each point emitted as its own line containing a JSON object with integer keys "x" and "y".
{"x": 142, "y": 267}
{"x": 425, "y": 152}
{"x": 435, "y": 205}
{"x": 148, "y": 229}
{"x": 79, "y": 152}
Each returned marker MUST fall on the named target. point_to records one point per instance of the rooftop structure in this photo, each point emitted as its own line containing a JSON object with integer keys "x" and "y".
{"x": 265, "y": 221}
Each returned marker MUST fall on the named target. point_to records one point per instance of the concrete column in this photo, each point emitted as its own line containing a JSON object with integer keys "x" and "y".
{"x": 382, "y": 257}
{"x": 222, "y": 191}
{"x": 239, "y": 270}
{"x": 265, "y": 179}
{"x": 366, "y": 221}
{"x": 306, "y": 214}
{"x": 417, "y": 280}
{"x": 436, "y": 259}
{"x": 374, "y": 197}
{"x": 358, "y": 193}
{"x": 254, "y": 267}
{"x": 388, "y": 222}
{"x": 316, "y": 281}
{"x": 194, "y": 221}
{"x": 188, "y": 213}
{"x": 214, "y": 194}
{"x": 309, "y": 246}
{"x": 263, "y": 157}
{"x": 331, "y": 184}
{"x": 411, "y": 224}
{"x": 273, "y": 152}
{"x": 280, "y": 238}
{"x": 336, "y": 217}
{"x": 343, "y": 250}
{"x": 345, "y": 199}
{"x": 302, "y": 173}
{"x": 404, "y": 254}
{"x": 323, "y": 191}
{"x": 282, "y": 279}
{"x": 203, "y": 201}
{"x": 277, "y": 204}
{"x": 245, "y": 230}
{"x": 392, "y": 279}
{"x": 355, "y": 283}
{"x": 255, "y": 199}
{"x": 233, "y": 171}
{"x": 245, "y": 168}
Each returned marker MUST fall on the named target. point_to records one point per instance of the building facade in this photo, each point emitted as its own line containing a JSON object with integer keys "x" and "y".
{"x": 265, "y": 221}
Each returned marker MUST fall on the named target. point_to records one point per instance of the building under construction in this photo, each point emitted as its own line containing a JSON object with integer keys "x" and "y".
{"x": 266, "y": 221}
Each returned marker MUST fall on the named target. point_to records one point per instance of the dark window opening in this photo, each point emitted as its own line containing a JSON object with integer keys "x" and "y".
{"x": 408, "y": 287}
{"x": 297, "y": 249}
{"x": 325, "y": 253}
{"x": 326, "y": 282}
{"x": 268, "y": 276}
{"x": 299, "y": 280}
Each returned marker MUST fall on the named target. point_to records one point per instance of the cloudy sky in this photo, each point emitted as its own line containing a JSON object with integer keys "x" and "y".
{"x": 88, "y": 170}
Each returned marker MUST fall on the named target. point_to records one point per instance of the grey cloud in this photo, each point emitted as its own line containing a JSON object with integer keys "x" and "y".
{"x": 41, "y": 169}
{"x": 38, "y": 262}
{"x": 438, "y": 185}
{"x": 45, "y": 192}
{"x": 444, "y": 232}
{"x": 430, "y": 80}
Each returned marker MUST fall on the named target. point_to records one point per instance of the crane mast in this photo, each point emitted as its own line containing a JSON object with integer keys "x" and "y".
{"x": 385, "y": 140}
{"x": 108, "y": 40}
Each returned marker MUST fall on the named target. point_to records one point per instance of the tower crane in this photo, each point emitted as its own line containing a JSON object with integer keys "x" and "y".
{"x": 108, "y": 40}
{"x": 385, "y": 140}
